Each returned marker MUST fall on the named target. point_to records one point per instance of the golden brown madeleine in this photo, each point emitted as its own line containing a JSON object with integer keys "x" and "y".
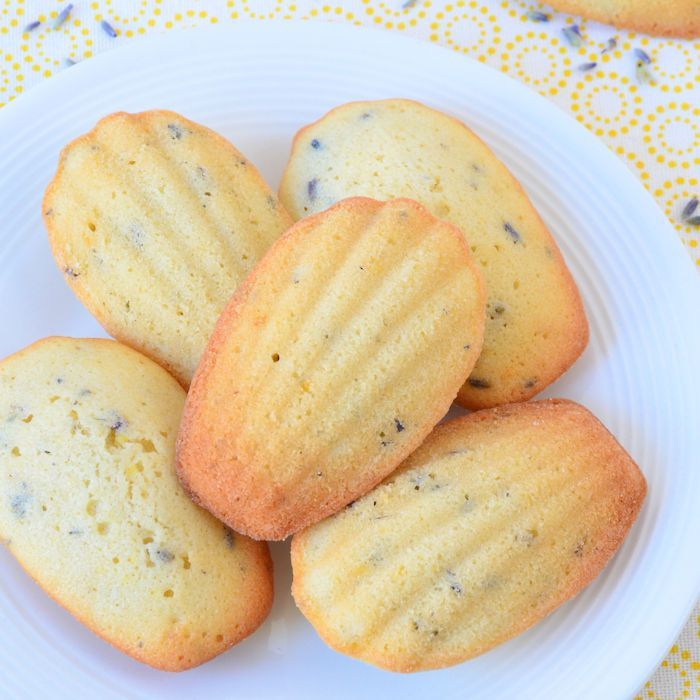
{"x": 535, "y": 324}
{"x": 498, "y": 518}
{"x": 154, "y": 220}
{"x": 91, "y": 507}
{"x": 659, "y": 17}
{"x": 331, "y": 363}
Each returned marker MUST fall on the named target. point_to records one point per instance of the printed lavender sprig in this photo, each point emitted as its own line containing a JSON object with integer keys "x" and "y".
{"x": 642, "y": 70}
{"x": 573, "y": 35}
{"x": 108, "y": 29}
{"x": 688, "y": 211}
{"x": 610, "y": 45}
{"x": 63, "y": 15}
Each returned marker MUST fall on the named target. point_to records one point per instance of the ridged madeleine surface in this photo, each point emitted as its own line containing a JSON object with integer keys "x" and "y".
{"x": 535, "y": 324}
{"x": 91, "y": 507}
{"x": 331, "y": 363}
{"x": 154, "y": 220}
{"x": 497, "y": 519}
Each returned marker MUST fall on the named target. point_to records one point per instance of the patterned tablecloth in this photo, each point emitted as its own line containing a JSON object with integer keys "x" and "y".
{"x": 639, "y": 94}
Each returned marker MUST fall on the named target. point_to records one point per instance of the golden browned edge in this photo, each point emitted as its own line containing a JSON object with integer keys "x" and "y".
{"x": 168, "y": 660}
{"x": 55, "y": 241}
{"x": 627, "y": 473}
{"x": 193, "y": 444}
{"x": 575, "y": 344}
{"x": 571, "y": 346}
{"x": 657, "y": 19}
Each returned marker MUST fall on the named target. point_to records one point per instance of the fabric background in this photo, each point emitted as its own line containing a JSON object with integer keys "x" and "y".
{"x": 647, "y": 113}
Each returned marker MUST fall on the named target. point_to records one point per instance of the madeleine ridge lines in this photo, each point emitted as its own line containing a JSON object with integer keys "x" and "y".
{"x": 263, "y": 475}
{"x": 383, "y": 287}
{"x": 79, "y": 193}
{"x": 227, "y": 242}
{"x": 422, "y": 591}
{"x": 177, "y": 217}
{"x": 173, "y": 248}
{"x": 164, "y": 200}
{"x": 438, "y": 161}
{"x": 492, "y": 523}
{"x": 399, "y": 364}
{"x": 460, "y": 548}
{"x": 340, "y": 275}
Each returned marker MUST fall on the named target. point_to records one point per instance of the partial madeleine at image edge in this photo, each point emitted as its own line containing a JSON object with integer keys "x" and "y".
{"x": 645, "y": 16}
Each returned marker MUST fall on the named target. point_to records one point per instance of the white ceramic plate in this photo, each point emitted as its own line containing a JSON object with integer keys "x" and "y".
{"x": 257, "y": 83}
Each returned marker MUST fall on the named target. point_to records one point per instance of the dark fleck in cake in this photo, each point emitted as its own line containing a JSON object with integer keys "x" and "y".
{"x": 91, "y": 507}
{"x": 332, "y": 362}
{"x": 154, "y": 220}
{"x": 498, "y": 518}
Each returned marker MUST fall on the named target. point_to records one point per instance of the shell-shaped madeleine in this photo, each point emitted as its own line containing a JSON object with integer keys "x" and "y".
{"x": 91, "y": 507}
{"x": 498, "y": 518}
{"x": 154, "y": 220}
{"x": 331, "y": 363}
{"x": 535, "y": 322}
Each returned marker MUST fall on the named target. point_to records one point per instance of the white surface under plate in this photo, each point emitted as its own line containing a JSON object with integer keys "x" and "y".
{"x": 257, "y": 83}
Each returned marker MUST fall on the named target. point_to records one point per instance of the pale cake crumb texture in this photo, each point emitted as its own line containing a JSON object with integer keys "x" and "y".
{"x": 154, "y": 221}
{"x": 91, "y": 507}
{"x": 535, "y": 325}
{"x": 333, "y": 361}
{"x": 497, "y": 519}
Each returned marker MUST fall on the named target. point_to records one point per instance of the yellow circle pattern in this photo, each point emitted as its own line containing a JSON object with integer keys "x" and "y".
{"x": 651, "y": 120}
